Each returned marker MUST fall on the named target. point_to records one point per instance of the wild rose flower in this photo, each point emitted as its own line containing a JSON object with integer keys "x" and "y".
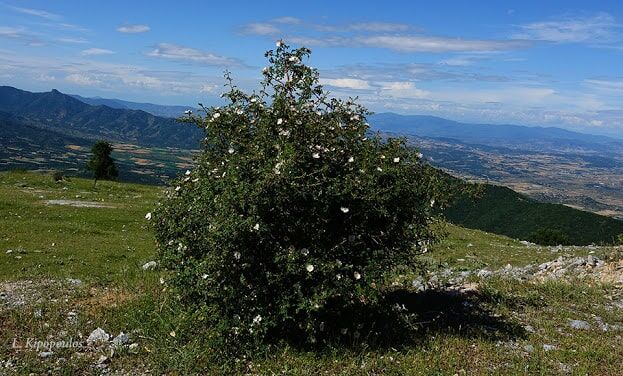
{"x": 309, "y": 268}
{"x": 344, "y": 209}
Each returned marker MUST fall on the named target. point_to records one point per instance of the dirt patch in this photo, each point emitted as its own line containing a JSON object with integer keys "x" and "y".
{"x": 79, "y": 204}
{"x": 104, "y": 298}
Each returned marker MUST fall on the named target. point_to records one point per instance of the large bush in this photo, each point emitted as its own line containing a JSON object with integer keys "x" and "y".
{"x": 294, "y": 215}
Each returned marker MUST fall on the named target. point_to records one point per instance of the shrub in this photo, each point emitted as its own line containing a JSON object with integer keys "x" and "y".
{"x": 619, "y": 240}
{"x": 58, "y": 176}
{"x": 548, "y": 236}
{"x": 294, "y": 216}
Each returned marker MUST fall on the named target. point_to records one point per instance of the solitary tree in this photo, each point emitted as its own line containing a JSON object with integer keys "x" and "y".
{"x": 294, "y": 215}
{"x": 101, "y": 163}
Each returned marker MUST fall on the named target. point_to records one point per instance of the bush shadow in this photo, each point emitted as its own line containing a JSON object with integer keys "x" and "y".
{"x": 417, "y": 318}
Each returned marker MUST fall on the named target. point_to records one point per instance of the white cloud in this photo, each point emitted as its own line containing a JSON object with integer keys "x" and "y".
{"x": 421, "y": 43}
{"x": 37, "y": 13}
{"x": 346, "y": 83}
{"x": 83, "y": 79}
{"x": 379, "y": 26}
{"x": 599, "y": 28}
{"x": 72, "y": 40}
{"x": 12, "y": 32}
{"x": 258, "y": 28}
{"x": 181, "y": 53}
{"x": 613, "y": 85}
{"x": 96, "y": 51}
{"x": 287, "y": 20}
{"x": 133, "y": 29}
{"x": 402, "y": 89}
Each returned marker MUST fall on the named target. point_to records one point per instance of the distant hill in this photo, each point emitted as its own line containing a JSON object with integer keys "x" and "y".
{"x": 509, "y": 136}
{"x": 503, "y": 211}
{"x": 154, "y": 109}
{"x": 66, "y": 114}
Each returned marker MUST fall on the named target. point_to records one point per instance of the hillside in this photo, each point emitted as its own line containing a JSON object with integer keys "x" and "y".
{"x": 154, "y": 109}
{"x": 501, "y": 210}
{"x": 63, "y": 113}
{"x": 500, "y": 135}
{"x": 71, "y": 260}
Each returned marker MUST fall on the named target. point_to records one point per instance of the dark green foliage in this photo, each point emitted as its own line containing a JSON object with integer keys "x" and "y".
{"x": 58, "y": 176}
{"x": 619, "y": 239}
{"x": 294, "y": 216}
{"x": 101, "y": 163}
{"x": 548, "y": 236}
{"x": 502, "y": 211}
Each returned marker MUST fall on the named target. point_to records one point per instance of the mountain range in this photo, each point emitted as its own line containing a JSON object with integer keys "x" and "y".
{"x": 63, "y": 113}
{"x": 54, "y": 130}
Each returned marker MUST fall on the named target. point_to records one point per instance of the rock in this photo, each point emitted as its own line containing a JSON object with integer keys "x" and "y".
{"x": 529, "y": 328}
{"x": 418, "y": 284}
{"x": 133, "y": 347}
{"x": 97, "y": 337}
{"x": 528, "y": 348}
{"x": 579, "y": 324}
{"x": 45, "y": 354}
{"x": 73, "y": 281}
{"x": 151, "y": 265}
{"x": 547, "y": 347}
{"x": 121, "y": 339}
{"x": 484, "y": 273}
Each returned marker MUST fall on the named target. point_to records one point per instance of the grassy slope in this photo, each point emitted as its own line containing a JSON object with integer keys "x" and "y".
{"x": 106, "y": 246}
{"x": 502, "y": 211}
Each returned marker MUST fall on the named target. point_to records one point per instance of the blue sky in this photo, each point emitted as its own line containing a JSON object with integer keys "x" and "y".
{"x": 552, "y": 63}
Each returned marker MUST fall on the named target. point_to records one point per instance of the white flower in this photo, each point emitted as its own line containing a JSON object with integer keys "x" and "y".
{"x": 187, "y": 172}
{"x": 148, "y": 216}
{"x": 195, "y": 180}
{"x": 344, "y": 209}
{"x": 309, "y": 268}
{"x": 316, "y": 155}
{"x": 419, "y": 155}
{"x": 396, "y": 159}
{"x": 237, "y": 255}
{"x": 265, "y": 70}
{"x": 432, "y": 203}
{"x": 351, "y": 159}
{"x": 279, "y": 43}
{"x": 239, "y": 111}
{"x": 379, "y": 169}
{"x": 277, "y": 168}
{"x": 162, "y": 281}
{"x": 304, "y": 251}
{"x": 216, "y": 115}
{"x": 279, "y": 121}
{"x": 382, "y": 157}
{"x": 357, "y": 275}
{"x": 354, "y": 117}
{"x": 294, "y": 59}
{"x": 338, "y": 276}
{"x": 205, "y": 276}
{"x": 230, "y": 150}
{"x": 257, "y": 319}
{"x": 256, "y": 227}
{"x": 284, "y": 132}
{"x": 177, "y": 188}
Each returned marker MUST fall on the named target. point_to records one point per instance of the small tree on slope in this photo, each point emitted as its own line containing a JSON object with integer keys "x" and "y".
{"x": 293, "y": 216}
{"x": 101, "y": 163}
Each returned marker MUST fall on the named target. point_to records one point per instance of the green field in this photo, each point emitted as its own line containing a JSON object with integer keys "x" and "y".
{"x": 487, "y": 326}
